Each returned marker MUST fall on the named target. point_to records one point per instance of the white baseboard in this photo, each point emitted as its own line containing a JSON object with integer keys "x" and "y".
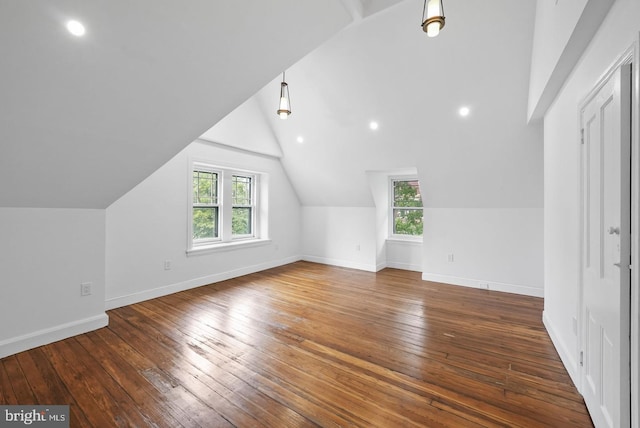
{"x": 485, "y": 285}
{"x": 53, "y": 334}
{"x": 361, "y": 266}
{"x": 381, "y": 266}
{"x": 341, "y": 263}
{"x": 566, "y": 355}
{"x": 129, "y": 299}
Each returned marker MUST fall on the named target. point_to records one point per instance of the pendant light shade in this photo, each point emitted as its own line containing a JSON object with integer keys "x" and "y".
{"x": 284, "y": 107}
{"x": 433, "y": 22}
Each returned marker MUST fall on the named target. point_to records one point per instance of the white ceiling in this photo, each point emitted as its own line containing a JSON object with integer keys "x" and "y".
{"x": 385, "y": 68}
{"x": 83, "y": 120}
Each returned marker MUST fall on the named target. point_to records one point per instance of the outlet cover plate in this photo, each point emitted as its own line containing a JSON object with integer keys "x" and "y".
{"x": 85, "y": 289}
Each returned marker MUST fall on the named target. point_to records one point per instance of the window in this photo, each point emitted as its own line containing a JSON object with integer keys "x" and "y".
{"x": 242, "y": 210}
{"x": 205, "y": 211}
{"x": 406, "y": 209}
{"x": 223, "y": 206}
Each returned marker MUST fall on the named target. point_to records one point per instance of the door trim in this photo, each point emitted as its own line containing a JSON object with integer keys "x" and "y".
{"x": 635, "y": 233}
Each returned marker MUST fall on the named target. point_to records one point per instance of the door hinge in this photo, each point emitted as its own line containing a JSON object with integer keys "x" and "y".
{"x": 582, "y": 136}
{"x": 581, "y": 358}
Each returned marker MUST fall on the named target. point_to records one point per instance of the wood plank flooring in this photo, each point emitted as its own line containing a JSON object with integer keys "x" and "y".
{"x": 308, "y": 345}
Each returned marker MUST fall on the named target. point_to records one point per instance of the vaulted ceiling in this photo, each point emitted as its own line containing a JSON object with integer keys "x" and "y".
{"x": 384, "y": 68}
{"x": 83, "y": 120}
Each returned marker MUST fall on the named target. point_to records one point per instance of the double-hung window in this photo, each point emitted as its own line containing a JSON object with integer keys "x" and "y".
{"x": 223, "y": 206}
{"x": 405, "y": 209}
{"x": 243, "y": 209}
{"x": 206, "y": 208}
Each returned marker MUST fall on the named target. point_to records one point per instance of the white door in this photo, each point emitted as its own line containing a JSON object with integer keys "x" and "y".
{"x": 606, "y": 122}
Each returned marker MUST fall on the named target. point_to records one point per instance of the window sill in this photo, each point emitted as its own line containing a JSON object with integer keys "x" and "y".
{"x": 405, "y": 241}
{"x": 227, "y": 246}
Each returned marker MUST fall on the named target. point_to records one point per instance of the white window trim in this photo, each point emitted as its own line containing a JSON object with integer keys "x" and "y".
{"x": 225, "y": 240}
{"x": 393, "y": 236}
{"x": 255, "y": 185}
{"x": 227, "y": 246}
{"x": 210, "y": 241}
{"x": 407, "y": 240}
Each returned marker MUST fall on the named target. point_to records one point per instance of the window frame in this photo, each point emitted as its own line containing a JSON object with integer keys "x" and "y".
{"x": 392, "y": 208}
{"x": 226, "y": 239}
{"x": 192, "y": 205}
{"x": 252, "y": 204}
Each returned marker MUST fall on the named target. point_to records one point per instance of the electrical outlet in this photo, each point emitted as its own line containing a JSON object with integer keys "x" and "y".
{"x": 450, "y": 258}
{"x": 358, "y": 247}
{"x": 85, "y": 289}
{"x": 167, "y": 265}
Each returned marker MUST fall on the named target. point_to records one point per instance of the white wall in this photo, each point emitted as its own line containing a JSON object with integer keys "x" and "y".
{"x": 356, "y": 237}
{"x": 148, "y": 226}
{"x": 405, "y": 255}
{"x": 493, "y": 248}
{"x": 340, "y": 236}
{"x": 561, "y": 208}
{"x": 379, "y": 186}
{"x": 45, "y": 254}
{"x": 486, "y": 209}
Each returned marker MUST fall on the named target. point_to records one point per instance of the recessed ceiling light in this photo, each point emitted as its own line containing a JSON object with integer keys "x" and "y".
{"x": 464, "y": 111}
{"x": 76, "y": 28}
{"x": 373, "y": 125}
{"x": 300, "y": 139}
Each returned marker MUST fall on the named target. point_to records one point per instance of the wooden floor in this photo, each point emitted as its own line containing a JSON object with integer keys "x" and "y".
{"x": 308, "y": 345}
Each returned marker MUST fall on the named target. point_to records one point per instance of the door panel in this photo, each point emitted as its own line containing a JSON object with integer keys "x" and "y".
{"x": 592, "y": 370}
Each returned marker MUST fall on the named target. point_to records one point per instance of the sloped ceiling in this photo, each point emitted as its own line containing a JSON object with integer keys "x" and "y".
{"x": 83, "y": 120}
{"x": 385, "y": 68}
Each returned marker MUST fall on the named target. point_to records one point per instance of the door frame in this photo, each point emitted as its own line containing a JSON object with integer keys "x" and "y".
{"x": 635, "y": 233}
{"x": 629, "y": 57}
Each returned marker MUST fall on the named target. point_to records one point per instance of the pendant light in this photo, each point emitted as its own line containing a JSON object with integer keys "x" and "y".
{"x": 284, "y": 108}
{"x": 434, "y": 21}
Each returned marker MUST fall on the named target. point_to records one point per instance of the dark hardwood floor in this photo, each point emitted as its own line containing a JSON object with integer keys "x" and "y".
{"x": 308, "y": 345}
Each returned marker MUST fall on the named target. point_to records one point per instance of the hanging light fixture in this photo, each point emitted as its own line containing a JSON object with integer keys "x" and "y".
{"x": 434, "y": 21}
{"x": 284, "y": 108}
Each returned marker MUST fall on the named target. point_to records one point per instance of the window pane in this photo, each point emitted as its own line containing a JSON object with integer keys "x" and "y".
{"x": 241, "y": 190}
{"x": 205, "y": 223}
{"x": 407, "y": 222}
{"x": 205, "y": 188}
{"x": 406, "y": 194}
{"x": 195, "y": 186}
{"x": 241, "y": 221}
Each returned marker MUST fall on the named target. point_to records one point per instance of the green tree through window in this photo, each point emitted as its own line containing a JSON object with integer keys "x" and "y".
{"x": 242, "y": 201}
{"x": 205, "y": 205}
{"x": 407, "y": 208}
{"x": 224, "y": 207}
